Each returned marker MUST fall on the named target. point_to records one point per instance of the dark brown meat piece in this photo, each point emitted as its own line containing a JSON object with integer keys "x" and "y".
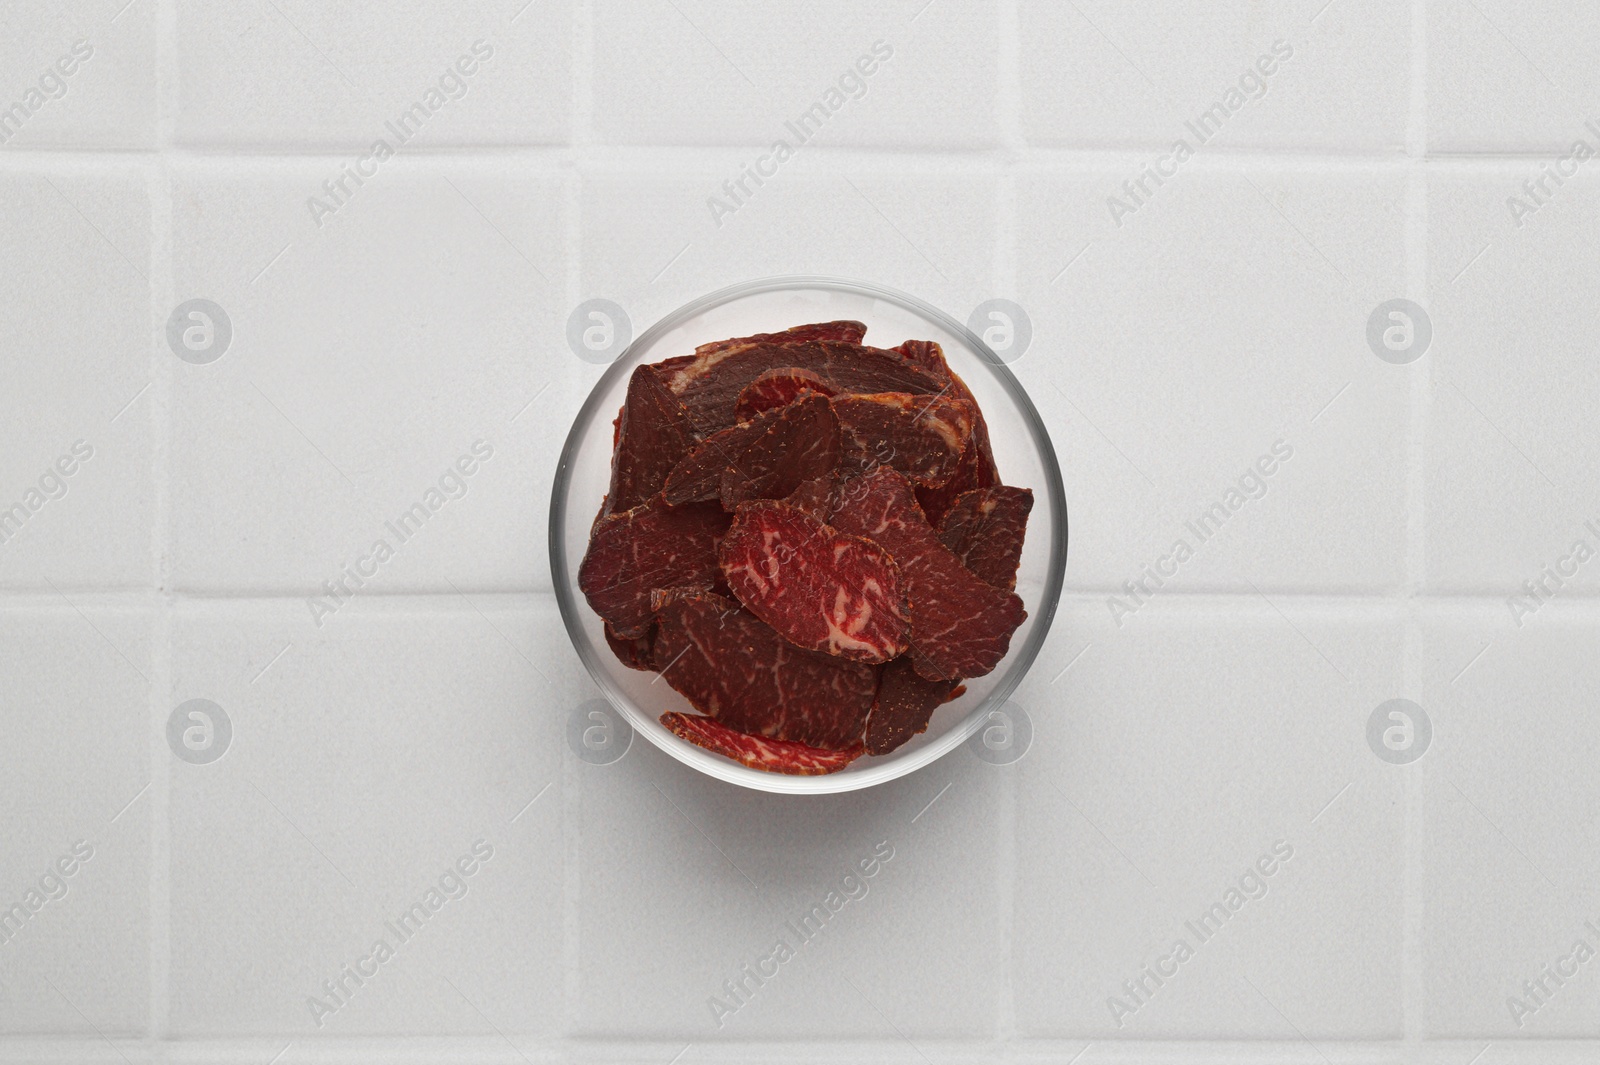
{"x": 985, "y": 529}
{"x": 976, "y": 469}
{"x": 904, "y": 704}
{"x": 820, "y": 589}
{"x": 710, "y": 385}
{"x": 921, "y": 436}
{"x": 634, "y": 552}
{"x": 778, "y": 388}
{"x": 653, "y": 432}
{"x": 731, "y": 666}
{"x": 771, "y": 455}
{"x": 635, "y": 653}
{"x": 960, "y": 626}
{"x": 770, "y": 756}
{"x": 843, "y": 331}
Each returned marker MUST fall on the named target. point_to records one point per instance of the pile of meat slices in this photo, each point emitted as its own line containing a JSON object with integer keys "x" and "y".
{"x": 808, "y": 539}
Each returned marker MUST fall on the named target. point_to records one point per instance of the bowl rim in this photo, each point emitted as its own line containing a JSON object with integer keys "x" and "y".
{"x": 1018, "y": 661}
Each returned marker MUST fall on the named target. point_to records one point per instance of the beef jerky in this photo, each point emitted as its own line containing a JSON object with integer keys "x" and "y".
{"x": 710, "y": 385}
{"x": 904, "y": 704}
{"x": 770, "y": 756}
{"x": 844, "y": 331}
{"x": 921, "y": 436}
{"x": 815, "y": 496}
{"x": 976, "y": 468}
{"x": 732, "y": 666}
{"x": 820, "y": 589}
{"x": 960, "y": 626}
{"x": 635, "y": 653}
{"x": 769, "y": 455}
{"x": 985, "y": 529}
{"x": 778, "y": 388}
{"x": 634, "y": 552}
{"x": 800, "y": 445}
{"x": 653, "y": 432}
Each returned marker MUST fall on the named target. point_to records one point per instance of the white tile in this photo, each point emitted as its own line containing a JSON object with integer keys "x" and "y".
{"x": 1505, "y": 76}
{"x": 652, "y": 242}
{"x": 727, "y": 874}
{"x": 1172, "y": 353}
{"x": 1508, "y": 833}
{"x": 363, "y": 764}
{"x": 305, "y": 75}
{"x": 73, "y": 785}
{"x": 1165, "y": 763}
{"x": 1511, "y": 447}
{"x": 79, "y": 77}
{"x": 723, "y": 73}
{"x": 1107, "y": 72}
{"x": 75, "y": 476}
{"x": 369, "y": 357}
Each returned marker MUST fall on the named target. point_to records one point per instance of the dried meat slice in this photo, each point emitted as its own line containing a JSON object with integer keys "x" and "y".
{"x": 770, "y": 756}
{"x": 778, "y": 388}
{"x": 732, "y": 666}
{"x": 801, "y": 445}
{"x": 771, "y": 455}
{"x": 985, "y": 529}
{"x": 905, "y": 702}
{"x": 710, "y": 385}
{"x": 846, "y": 331}
{"x": 653, "y": 432}
{"x": 815, "y": 496}
{"x": 820, "y": 589}
{"x": 634, "y": 552}
{"x": 921, "y": 436}
{"x": 635, "y": 653}
{"x": 976, "y": 468}
{"x": 960, "y": 626}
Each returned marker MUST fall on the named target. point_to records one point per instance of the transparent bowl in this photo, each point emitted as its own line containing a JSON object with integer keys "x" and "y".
{"x": 1022, "y": 450}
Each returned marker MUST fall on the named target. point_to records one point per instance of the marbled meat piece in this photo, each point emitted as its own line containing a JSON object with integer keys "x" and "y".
{"x": 635, "y": 653}
{"x": 653, "y": 432}
{"x": 772, "y": 454}
{"x": 778, "y": 388}
{"x": 976, "y": 468}
{"x": 921, "y": 436}
{"x": 960, "y": 625}
{"x": 844, "y": 331}
{"x": 905, "y": 702}
{"x": 634, "y": 552}
{"x": 985, "y": 529}
{"x": 820, "y": 589}
{"x": 771, "y": 756}
{"x": 815, "y": 496}
{"x": 710, "y": 385}
{"x": 732, "y": 666}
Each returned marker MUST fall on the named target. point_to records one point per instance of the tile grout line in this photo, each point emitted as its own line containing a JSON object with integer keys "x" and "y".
{"x": 1413, "y": 990}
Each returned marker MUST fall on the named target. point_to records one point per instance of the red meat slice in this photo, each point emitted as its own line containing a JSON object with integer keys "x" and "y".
{"x": 635, "y": 654}
{"x": 653, "y": 432}
{"x": 904, "y": 704}
{"x": 976, "y": 468}
{"x": 777, "y": 388}
{"x": 844, "y": 331}
{"x": 820, "y": 589}
{"x": 771, "y": 756}
{"x": 770, "y": 455}
{"x": 730, "y": 665}
{"x": 634, "y": 552}
{"x": 815, "y": 496}
{"x": 710, "y": 385}
{"x": 985, "y": 529}
{"x": 921, "y": 436}
{"x": 960, "y": 626}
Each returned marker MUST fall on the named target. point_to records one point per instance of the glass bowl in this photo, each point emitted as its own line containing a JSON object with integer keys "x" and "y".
{"x": 1022, "y": 450}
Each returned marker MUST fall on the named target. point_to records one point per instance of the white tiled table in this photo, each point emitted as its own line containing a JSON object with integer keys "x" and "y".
{"x": 1174, "y": 344}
